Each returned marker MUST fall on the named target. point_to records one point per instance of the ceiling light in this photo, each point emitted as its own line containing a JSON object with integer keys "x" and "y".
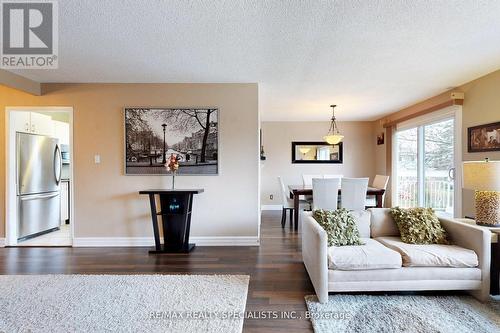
{"x": 333, "y": 137}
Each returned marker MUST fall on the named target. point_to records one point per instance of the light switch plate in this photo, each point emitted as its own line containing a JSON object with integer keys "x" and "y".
{"x": 97, "y": 159}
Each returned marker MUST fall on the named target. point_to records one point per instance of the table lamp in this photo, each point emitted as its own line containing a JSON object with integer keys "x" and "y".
{"x": 484, "y": 178}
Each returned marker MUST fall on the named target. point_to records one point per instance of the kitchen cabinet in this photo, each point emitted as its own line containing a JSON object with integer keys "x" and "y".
{"x": 31, "y": 122}
{"x": 61, "y": 131}
{"x": 20, "y": 121}
{"x": 41, "y": 124}
{"x": 64, "y": 201}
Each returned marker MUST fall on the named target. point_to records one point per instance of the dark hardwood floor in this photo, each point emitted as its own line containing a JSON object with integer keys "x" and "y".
{"x": 278, "y": 280}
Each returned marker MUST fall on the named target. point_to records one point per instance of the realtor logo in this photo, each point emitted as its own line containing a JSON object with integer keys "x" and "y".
{"x": 29, "y": 34}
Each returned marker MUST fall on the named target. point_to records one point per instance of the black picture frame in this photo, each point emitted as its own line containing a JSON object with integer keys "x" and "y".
{"x": 381, "y": 139}
{"x": 478, "y": 141}
{"x": 316, "y": 143}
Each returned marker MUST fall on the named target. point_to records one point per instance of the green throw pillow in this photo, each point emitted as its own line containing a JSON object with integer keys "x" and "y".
{"x": 339, "y": 226}
{"x": 419, "y": 226}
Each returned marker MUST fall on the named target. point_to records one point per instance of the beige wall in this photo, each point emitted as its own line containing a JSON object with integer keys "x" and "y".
{"x": 481, "y": 106}
{"x": 379, "y": 150}
{"x": 359, "y": 146}
{"x": 379, "y": 158}
{"x": 107, "y": 203}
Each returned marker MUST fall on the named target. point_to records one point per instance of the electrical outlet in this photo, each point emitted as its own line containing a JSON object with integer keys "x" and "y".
{"x": 271, "y": 197}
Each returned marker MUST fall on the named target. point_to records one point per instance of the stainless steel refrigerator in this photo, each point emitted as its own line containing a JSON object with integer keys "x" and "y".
{"x": 39, "y": 165}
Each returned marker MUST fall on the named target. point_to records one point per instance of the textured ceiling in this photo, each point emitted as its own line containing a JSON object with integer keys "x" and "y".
{"x": 369, "y": 57}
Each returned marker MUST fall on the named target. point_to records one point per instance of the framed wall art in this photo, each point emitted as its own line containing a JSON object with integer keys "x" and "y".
{"x": 483, "y": 138}
{"x": 153, "y": 135}
{"x": 380, "y": 138}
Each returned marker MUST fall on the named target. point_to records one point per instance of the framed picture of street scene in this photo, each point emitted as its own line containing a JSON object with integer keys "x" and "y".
{"x": 483, "y": 138}
{"x": 153, "y": 135}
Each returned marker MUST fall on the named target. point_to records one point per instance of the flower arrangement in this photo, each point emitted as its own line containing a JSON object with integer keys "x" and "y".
{"x": 172, "y": 166}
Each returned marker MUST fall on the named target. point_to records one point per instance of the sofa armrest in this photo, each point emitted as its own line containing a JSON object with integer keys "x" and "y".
{"x": 314, "y": 255}
{"x": 473, "y": 238}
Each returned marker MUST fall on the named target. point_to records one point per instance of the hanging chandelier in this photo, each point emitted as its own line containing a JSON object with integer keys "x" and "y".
{"x": 333, "y": 137}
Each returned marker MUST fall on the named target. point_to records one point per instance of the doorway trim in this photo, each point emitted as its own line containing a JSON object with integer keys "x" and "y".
{"x": 10, "y": 167}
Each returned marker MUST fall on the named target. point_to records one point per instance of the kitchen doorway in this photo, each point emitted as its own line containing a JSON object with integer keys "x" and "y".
{"x": 39, "y": 164}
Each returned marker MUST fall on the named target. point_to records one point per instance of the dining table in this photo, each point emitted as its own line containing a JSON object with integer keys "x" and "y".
{"x": 297, "y": 190}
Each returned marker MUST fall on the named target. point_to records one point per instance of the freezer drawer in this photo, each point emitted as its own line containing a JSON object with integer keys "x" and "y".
{"x": 38, "y": 213}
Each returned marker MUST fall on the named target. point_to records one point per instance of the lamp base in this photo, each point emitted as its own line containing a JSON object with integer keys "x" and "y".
{"x": 487, "y": 208}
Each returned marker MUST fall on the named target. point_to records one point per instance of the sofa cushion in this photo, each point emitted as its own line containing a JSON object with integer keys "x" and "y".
{"x": 340, "y": 227}
{"x": 362, "y": 219}
{"x": 431, "y": 255}
{"x": 418, "y": 225}
{"x": 382, "y": 223}
{"x": 371, "y": 255}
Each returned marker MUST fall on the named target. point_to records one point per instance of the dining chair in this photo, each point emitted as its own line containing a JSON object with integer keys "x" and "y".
{"x": 307, "y": 179}
{"x": 288, "y": 204}
{"x": 380, "y": 182}
{"x": 353, "y": 195}
{"x": 334, "y": 176}
{"x": 325, "y": 193}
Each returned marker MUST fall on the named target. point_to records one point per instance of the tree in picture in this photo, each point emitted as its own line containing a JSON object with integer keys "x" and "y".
{"x": 190, "y": 120}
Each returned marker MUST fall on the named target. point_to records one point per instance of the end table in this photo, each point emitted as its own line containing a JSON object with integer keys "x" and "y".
{"x": 495, "y": 255}
{"x": 176, "y": 209}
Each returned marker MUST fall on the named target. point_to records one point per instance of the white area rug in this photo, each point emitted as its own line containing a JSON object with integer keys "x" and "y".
{"x": 122, "y": 303}
{"x": 402, "y": 313}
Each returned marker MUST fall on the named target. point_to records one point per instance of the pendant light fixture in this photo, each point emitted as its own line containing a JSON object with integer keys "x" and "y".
{"x": 333, "y": 137}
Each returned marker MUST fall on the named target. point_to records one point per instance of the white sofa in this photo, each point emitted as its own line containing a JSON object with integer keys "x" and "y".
{"x": 385, "y": 263}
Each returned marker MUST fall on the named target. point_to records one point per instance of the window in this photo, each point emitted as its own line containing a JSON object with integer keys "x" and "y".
{"x": 425, "y": 163}
{"x": 407, "y": 173}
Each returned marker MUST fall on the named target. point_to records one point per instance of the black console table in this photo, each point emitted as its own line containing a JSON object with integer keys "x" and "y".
{"x": 175, "y": 212}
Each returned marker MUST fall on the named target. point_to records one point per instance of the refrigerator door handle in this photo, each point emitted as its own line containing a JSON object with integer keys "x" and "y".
{"x": 57, "y": 173}
{"x": 38, "y": 196}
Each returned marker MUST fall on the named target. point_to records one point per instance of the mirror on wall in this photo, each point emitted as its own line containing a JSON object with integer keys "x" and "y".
{"x": 316, "y": 152}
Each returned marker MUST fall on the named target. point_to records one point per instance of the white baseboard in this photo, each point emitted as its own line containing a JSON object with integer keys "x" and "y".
{"x": 2, "y": 242}
{"x": 112, "y": 241}
{"x": 271, "y": 207}
{"x": 148, "y": 241}
{"x": 226, "y": 241}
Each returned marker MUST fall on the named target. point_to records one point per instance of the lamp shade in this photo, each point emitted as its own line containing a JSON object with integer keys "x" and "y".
{"x": 481, "y": 176}
{"x": 333, "y": 139}
{"x": 304, "y": 150}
